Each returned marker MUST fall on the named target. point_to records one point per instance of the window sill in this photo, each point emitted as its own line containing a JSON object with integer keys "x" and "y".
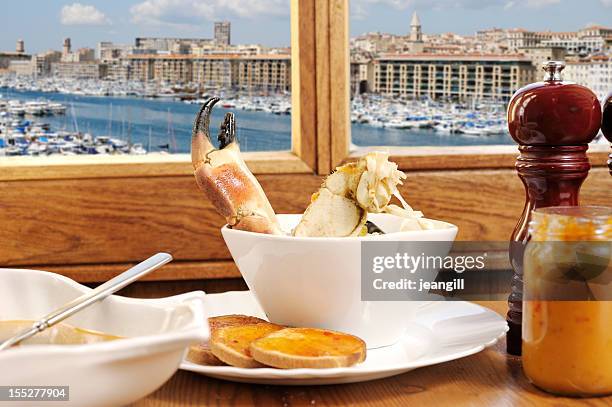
{"x": 464, "y": 157}
{"x": 123, "y": 166}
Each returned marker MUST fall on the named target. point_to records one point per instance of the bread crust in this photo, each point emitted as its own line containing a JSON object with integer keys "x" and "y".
{"x": 293, "y": 348}
{"x": 231, "y": 343}
{"x": 201, "y": 353}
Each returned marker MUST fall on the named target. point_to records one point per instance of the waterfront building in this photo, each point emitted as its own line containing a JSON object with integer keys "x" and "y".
{"x": 362, "y": 72}
{"x": 117, "y": 71}
{"x": 223, "y": 33}
{"x": 42, "y": 62}
{"x": 214, "y": 71}
{"x": 78, "y": 70}
{"x": 139, "y": 66}
{"x": 21, "y": 68}
{"x": 264, "y": 72}
{"x": 80, "y": 55}
{"x": 172, "y": 68}
{"x": 594, "y": 72}
{"x": 467, "y": 76}
{"x": 249, "y": 72}
{"x": 7, "y": 57}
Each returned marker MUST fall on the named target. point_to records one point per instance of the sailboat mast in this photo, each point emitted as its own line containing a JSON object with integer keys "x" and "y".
{"x": 74, "y": 120}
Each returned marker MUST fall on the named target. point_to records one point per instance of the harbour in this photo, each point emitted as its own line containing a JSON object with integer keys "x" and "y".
{"x": 124, "y": 122}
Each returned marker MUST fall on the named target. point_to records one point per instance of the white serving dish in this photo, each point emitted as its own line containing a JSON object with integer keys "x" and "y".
{"x": 440, "y": 332}
{"x": 157, "y": 331}
{"x": 316, "y": 282}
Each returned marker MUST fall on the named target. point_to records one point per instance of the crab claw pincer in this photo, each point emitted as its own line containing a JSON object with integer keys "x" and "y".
{"x": 225, "y": 178}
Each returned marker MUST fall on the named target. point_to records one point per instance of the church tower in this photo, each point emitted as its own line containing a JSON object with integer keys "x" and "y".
{"x": 415, "y": 29}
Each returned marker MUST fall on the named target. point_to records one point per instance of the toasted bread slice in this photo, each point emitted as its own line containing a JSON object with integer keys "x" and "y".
{"x": 232, "y": 320}
{"x": 231, "y": 343}
{"x": 292, "y": 348}
{"x": 202, "y": 354}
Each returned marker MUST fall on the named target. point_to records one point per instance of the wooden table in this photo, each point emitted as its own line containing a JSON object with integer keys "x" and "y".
{"x": 489, "y": 378}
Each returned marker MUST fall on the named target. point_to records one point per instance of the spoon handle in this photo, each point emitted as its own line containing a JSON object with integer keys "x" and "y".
{"x": 99, "y": 293}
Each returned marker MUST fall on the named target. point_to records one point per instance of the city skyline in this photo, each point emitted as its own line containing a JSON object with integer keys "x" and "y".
{"x": 92, "y": 21}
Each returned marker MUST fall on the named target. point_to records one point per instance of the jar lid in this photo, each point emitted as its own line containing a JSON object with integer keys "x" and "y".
{"x": 568, "y": 223}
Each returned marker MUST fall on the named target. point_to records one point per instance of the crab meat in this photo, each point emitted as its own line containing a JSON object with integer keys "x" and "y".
{"x": 341, "y": 206}
{"x": 225, "y": 178}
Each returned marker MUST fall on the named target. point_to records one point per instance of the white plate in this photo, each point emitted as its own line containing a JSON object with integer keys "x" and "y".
{"x": 442, "y": 331}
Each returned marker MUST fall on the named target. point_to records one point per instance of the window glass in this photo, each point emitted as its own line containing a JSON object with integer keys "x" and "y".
{"x": 443, "y": 75}
{"x": 129, "y": 77}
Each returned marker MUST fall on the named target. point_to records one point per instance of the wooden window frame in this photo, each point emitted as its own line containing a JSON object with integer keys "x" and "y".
{"x": 90, "y": 217}
{"x": 336, "y": 149}
{"x": 302, "y": 158}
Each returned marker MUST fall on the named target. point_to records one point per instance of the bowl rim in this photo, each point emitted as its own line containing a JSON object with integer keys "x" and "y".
{"x": 387, "y": 237}
{"x": 137, "y": 345}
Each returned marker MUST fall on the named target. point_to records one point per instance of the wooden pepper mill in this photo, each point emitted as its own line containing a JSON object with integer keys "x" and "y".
{"x": 606, "y": 124}
{"x": 552, "y": 121}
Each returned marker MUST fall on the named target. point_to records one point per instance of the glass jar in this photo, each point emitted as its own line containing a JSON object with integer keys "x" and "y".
{"x": 567, "y": 308}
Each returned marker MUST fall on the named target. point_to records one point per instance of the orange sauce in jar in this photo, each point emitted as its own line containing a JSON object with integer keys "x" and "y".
{"x": 567, "y": 310}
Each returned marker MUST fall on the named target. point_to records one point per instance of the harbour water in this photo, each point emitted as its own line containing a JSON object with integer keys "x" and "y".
{"x": 155, "y": 123}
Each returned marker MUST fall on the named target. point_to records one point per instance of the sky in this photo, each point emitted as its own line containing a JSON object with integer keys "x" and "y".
{"x": 44, "y": 24}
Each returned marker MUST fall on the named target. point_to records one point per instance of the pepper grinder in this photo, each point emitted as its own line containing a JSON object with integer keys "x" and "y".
{"x": 606, "y": 124}
{"x": 552, "y": 121}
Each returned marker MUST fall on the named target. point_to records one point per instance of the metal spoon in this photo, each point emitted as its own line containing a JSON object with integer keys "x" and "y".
{"x": 99, "y": 293}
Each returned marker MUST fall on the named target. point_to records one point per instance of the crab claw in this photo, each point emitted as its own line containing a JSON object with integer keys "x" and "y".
{"x": 200, "y": 136}
{"x": 225, "y": 178}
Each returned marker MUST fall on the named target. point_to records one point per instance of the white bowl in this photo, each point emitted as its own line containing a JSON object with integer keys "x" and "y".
{"x": 316, "y": 282}
{"x": 113, "y": 373}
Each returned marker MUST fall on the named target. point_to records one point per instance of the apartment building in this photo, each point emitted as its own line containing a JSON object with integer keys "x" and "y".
{"x": 78, "y": 70}
{"x": 581, "y": 45}
{"x": 595, "y": 73}
{"x": 264, "y": 72}
{"x": 249, "y": 72}
{"x": 214, "y": 72}
{"x": 521, "y": 38}
{"x": 468, "y": 76}
{"x": 175, "y": 68}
